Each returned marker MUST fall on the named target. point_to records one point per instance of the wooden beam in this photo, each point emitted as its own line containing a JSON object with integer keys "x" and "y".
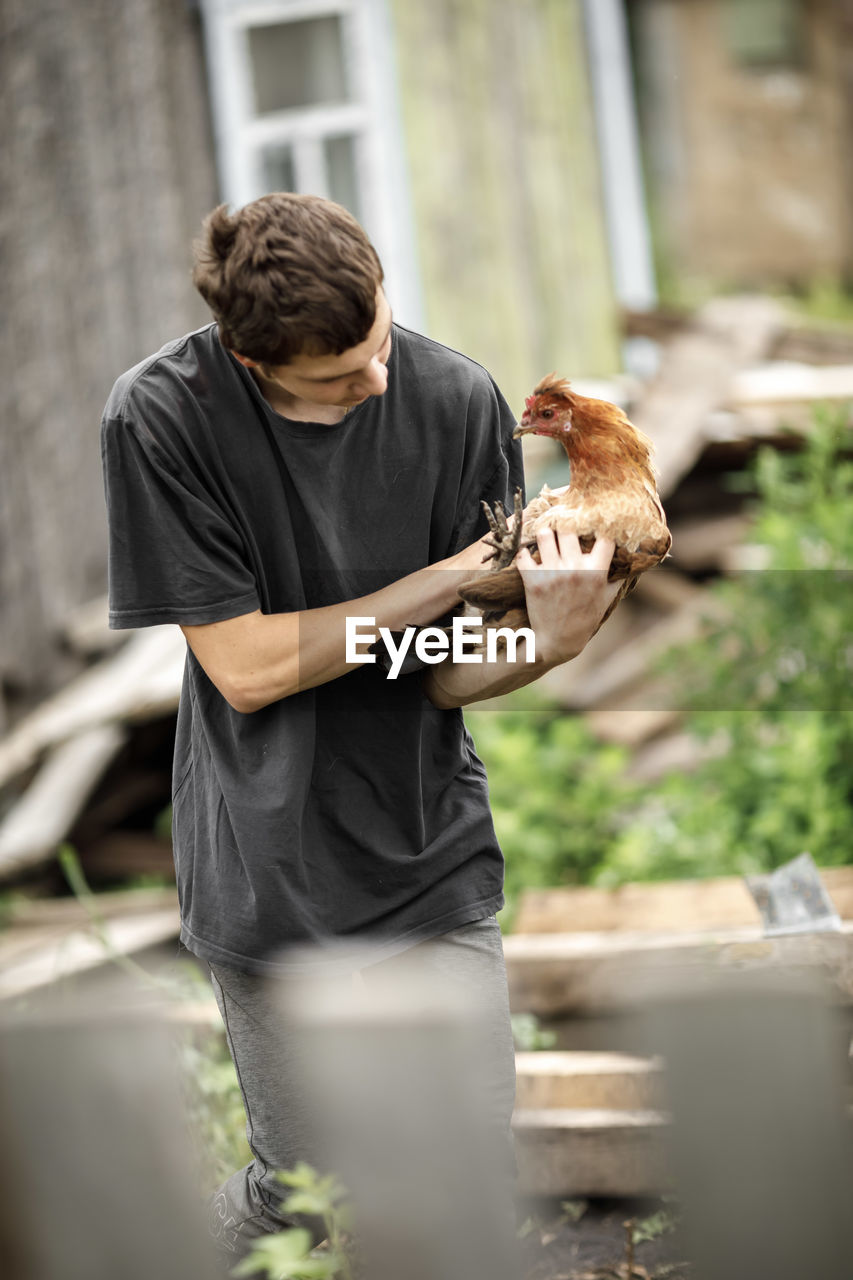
{"x": 676, "y": 905}
{"x": 591, "y": 1152}
{"x": 584, "y": 973}
{"x": 580, "y": 1079}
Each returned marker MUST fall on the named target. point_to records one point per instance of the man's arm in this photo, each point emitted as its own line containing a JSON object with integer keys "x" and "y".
{"x": 566, "y": 595}
{"x": 258, "y": 658}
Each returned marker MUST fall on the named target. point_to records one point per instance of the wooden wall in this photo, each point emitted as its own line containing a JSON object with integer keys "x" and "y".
{"x": 106, "y": 172}
{"x": 502, "y": 160}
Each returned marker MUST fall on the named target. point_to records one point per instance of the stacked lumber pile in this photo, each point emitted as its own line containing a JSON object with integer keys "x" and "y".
{"x": 591, "y": 1123}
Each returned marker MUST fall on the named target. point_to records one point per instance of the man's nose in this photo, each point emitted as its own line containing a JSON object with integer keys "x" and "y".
{"x": 376, "y": 377}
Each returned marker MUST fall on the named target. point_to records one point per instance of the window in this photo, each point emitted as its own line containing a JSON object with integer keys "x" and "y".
{"x": 303, "y": 99}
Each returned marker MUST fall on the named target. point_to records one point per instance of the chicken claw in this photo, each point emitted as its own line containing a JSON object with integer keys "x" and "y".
{"x": 505, "y": 541}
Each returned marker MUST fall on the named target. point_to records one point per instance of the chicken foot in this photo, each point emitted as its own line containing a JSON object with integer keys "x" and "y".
{"x": 506, "y": 541}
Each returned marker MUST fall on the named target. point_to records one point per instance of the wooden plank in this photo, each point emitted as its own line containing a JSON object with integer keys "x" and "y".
{"x": 695, "y": 377}
{"x": 782, "y": 383}
{"x": 31, "y": 913}
{"x": 613, "y": 1081}
{"x": 560, "y": 974}
{"x": 41, "y": 819}
{"x": 591, "y": 1152}
{"x": 676, "y": 905}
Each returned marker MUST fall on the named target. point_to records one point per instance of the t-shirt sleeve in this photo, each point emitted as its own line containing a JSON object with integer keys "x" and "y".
{"x": 493, "y": 468}
{"x": 174, "y": 556}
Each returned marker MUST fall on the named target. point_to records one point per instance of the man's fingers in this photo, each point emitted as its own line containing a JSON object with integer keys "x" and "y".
{"x": 601, "y": 553}
{"x": 549, "y": 550}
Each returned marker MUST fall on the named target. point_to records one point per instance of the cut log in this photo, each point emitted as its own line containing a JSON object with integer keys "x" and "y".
{"x": 141, "y": 681}
{"x": 559, "y": 974}
{"x": 591, "y": 1152}
{"x": 37, "y": 824}
{"x": 676, "y": 905}
{"x": 578, "y": 1079}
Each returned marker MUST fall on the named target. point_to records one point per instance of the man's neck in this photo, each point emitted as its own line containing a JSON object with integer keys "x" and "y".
{"x": 292, "y": 407}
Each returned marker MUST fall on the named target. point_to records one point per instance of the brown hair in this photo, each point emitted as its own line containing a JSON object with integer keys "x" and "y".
{"x": 287, "y": 275}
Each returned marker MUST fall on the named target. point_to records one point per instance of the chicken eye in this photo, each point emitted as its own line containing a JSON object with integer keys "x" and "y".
{"x": 547, "y": 413}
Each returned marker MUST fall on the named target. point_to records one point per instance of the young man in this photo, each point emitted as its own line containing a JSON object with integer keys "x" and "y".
{"x": 301, "y": 461}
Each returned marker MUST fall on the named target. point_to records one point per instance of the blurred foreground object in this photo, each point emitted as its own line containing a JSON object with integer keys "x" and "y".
{"x": 761, "y": 1142}
{"x": 398, "y": 1078}
{"x": 94, "y": 1148}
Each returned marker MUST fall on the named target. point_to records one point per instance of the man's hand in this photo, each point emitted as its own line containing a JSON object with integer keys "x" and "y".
{"x": 567, "y": 594}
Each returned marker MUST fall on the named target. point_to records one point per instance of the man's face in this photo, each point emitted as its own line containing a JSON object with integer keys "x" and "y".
{"x": 345, "y": 380}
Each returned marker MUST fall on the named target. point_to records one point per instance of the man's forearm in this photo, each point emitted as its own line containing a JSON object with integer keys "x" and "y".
{"x": 450, "y": 685}
{"x": 259, "y": 658}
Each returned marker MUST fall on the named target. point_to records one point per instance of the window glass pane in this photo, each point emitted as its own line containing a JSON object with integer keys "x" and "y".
{"x": 297, "y": 64}
{"x": 766, "y": 33}
{"x": 341, "y": 170}
{"x": 279, "y": 173}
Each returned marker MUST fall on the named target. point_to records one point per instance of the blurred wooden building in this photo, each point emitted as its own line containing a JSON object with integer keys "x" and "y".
{"x": 746, "y": 111}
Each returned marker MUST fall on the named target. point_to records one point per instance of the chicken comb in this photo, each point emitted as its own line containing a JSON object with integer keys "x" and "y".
{"x": 553, "y": 385}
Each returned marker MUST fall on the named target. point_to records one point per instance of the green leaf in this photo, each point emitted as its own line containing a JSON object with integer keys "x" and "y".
{"x": 286, "y": 1255}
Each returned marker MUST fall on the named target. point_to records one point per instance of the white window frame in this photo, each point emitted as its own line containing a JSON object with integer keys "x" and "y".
{"x": 371, "y": 119}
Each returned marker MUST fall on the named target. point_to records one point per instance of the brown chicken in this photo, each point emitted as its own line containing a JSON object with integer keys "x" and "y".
{"x": 612, "y": 494}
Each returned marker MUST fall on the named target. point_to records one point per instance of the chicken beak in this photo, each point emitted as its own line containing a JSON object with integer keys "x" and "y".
{"x": 524, "y": 428}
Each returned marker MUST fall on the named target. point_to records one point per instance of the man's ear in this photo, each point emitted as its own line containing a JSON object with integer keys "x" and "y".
{"x": 244, "y": 360}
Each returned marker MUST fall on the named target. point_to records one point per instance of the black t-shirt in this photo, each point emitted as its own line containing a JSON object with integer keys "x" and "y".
{"x": 355, "y": 809}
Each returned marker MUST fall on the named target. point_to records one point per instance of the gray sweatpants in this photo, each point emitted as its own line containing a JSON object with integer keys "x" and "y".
{"x": 278, "y": 1128}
